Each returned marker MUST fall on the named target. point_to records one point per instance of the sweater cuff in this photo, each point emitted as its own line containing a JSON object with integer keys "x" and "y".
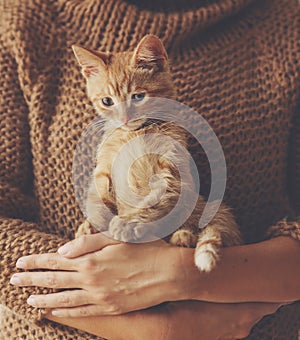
{"x": 19, "y": 238}
{"x": 285, "y": 228}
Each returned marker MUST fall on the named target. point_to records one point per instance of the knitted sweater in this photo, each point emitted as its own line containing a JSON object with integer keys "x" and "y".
{"x": 236, "y": 62}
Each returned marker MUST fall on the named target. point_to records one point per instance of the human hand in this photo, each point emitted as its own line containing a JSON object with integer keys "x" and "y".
{"x": 104, "y": 277}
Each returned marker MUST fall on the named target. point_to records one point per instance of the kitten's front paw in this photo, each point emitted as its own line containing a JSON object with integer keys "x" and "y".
{"x": 206, "y": 257}
{"x": 85, "y": 229}
{"x": 183, "y": 238}
{"x": 126, "y": 231}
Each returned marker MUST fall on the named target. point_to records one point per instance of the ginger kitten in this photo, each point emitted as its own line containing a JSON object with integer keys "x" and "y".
{"x": 119, "y": 85}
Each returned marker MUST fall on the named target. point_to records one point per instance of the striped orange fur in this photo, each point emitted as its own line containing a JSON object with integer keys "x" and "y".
{"x": 113, "y": 81}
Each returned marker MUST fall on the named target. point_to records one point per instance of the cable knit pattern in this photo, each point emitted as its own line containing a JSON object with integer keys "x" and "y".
{"x": 236, "y": 62}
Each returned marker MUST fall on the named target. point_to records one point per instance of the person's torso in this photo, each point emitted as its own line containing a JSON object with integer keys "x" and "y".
{"x": 239, "y": 74}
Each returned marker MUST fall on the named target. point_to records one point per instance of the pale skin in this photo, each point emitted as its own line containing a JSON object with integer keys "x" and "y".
{"x": 115, "y": 278}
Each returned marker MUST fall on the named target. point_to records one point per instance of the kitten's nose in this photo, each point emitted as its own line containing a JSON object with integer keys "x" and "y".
{"x": 124, "y": 119}
{"x": 123, "y": 115}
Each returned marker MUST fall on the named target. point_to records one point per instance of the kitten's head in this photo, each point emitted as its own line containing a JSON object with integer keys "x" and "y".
{"x": 120, "y": 84}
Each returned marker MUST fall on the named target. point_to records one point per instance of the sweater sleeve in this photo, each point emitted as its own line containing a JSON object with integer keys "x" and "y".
{"x": 19, "y": 235}
{"x": 285, "y": 228}
{"x": 291, "y": 225}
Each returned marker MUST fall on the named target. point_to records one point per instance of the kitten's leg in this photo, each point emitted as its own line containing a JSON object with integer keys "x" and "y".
{"x": 187, "y": 235}
{"x": 98, "y": 214}
{"x": 132, "y": 226}
{"x": 98, "y": 209}
{"x": 207, "y": 243}
{"x": 207, "y": 249}
{"x": 222, "y": 231}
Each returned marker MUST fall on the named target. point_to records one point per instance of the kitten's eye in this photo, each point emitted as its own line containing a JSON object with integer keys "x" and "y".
{"x": 137, "y": 97}
{"x": 107, "y": 101}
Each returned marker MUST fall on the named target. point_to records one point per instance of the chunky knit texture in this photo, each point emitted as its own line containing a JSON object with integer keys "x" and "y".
{"x": 234, "y": 61}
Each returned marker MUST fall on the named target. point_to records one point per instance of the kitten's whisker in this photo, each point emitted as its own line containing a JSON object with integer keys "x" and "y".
{"x": 166, "y": 116}
{"x": 100, "y": 122}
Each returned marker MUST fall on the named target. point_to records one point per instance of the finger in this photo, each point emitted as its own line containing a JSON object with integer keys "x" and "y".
{"x": 48, "y": 279}
{"x": 88, "y": 310}
{"x": 68, "y": 298}
{"x": 85, "y": 244}
{"x": 52, "y": 261}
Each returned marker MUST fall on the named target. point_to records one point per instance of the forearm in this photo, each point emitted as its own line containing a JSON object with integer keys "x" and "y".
{"x": 176, "y": 321}
{"x": 267, "y": 271}
{"x": 146, "y": 324}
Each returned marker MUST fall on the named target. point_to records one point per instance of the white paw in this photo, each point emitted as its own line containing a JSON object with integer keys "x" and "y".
{"x": 126, "y": 231}
{"x": 206, "y": 259}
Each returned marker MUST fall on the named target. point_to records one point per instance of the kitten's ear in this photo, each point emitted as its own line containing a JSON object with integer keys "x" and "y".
{"x": 149, "y": 53}
{"x": 92, "y": 62}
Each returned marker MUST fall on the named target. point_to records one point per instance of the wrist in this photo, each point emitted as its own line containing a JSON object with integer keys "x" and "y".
{"x": 185, "y": 281}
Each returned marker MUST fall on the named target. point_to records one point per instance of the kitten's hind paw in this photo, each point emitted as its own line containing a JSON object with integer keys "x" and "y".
{"x": 126, "y": 231}
{"x": 206, "y": 257}
{"x": 183, "y": 238}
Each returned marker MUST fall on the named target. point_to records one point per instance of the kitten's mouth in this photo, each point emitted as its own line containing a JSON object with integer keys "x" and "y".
{"x": 148, "y": 122}
{"x": 136, "y": 125}
{"x": 131, "y": 126}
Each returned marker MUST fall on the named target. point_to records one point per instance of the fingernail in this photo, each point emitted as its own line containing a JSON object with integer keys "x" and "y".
{"x": 64, "y": 250}
{"x": 15, "y": 280}
{"x": 20, "y": 264}
{"x": 31, "y": 301}
{"x": 56, "y": 313}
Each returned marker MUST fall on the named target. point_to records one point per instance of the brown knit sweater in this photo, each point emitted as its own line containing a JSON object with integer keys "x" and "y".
{"x": 234, "y": 61}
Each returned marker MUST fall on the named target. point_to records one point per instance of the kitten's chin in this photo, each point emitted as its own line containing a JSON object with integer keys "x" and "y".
{"x": 126, "y": 128}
